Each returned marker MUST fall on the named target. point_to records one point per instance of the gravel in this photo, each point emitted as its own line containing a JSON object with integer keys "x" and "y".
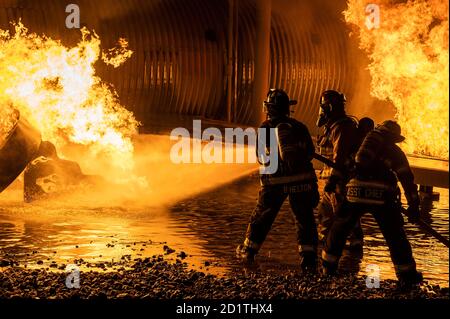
{"x": 157, "y": 278}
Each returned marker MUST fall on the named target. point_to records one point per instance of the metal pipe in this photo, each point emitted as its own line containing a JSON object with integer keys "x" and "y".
{"x": 230, "y": 53}
{"x": 262, "y": 58}
{"x": 19, "y": 148}
{"x": 236, "y": 58}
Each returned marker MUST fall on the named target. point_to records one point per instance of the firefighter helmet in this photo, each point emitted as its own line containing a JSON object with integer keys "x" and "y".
{"x": 332, "y": 103}
{"x": 278, "y": 103}
{"x": 392, "y": 130}
{"x": 365, "y": 125}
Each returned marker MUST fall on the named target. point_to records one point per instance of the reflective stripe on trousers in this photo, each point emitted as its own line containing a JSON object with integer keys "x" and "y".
{"x": 358, "y": 200}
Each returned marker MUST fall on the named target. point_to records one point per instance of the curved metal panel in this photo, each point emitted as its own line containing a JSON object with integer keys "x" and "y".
{"x": 180, "y": 49}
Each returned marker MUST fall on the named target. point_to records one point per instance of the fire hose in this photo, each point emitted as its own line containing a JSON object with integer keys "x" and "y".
{"x": 422, "y": 225}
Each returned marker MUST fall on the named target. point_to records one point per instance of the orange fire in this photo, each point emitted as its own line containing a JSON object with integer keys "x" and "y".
{"x": 57, "y": 90}
{"x": 408, "y": 53}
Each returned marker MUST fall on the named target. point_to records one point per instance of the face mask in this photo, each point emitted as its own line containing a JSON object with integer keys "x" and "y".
{"x": 265, "y": 108}
{"x": 324, "y": 112}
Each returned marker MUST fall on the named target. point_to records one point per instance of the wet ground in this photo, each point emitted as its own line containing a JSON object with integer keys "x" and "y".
{"x": 207, "y": 227}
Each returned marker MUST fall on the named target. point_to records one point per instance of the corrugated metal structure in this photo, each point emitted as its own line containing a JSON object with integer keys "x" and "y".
{"x": 179, "y": 66}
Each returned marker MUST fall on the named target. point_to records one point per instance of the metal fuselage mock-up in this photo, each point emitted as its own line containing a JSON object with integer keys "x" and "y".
{"x": 17, "y": 150}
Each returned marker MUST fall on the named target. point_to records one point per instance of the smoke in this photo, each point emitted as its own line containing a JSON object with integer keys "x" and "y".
{"x": 155, "y": 181}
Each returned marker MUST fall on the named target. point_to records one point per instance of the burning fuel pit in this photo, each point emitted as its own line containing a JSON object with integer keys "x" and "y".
{"x": 21, "y": 149}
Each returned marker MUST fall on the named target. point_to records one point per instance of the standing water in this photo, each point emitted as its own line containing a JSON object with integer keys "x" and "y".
{"x": 207, "y": 227}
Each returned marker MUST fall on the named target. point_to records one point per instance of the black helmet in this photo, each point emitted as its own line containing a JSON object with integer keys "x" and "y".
{"x": 277, "y": 103}
{"x": 332, "y": 103}
{"x": 392, "y": 130}
{"x": 365, "y": 125}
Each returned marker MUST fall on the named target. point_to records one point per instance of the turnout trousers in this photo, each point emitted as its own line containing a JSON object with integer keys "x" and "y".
{"x": 328, "y": 207}
{"x": 389, "y": 219}
{"x": 303, "y": 198}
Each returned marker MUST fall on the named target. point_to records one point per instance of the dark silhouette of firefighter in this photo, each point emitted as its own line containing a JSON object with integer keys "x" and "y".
{"x": 342, "y": 139}
{"x": 295, "y": 178}
{"x": 379, "y": 165}
{"x": 365, "y": 125}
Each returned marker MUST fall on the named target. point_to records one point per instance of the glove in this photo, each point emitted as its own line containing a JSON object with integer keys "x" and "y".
{"x": 413, "y": 214}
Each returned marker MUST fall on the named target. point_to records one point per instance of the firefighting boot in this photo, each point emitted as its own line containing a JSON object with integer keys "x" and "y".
{"x": 355, "y": 248}
{"x": 329, "y": 264}
{"x": 247, "y": 251}
{"x": 409, "y": 280}
{"x": 329, "y": 269}
{"x": 308, "y": 261}
{"x": 355, "y": 241}
{"x": 245, "y": 254}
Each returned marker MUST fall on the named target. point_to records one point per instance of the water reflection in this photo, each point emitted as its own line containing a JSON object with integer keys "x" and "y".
{"x": 220, "y": 218}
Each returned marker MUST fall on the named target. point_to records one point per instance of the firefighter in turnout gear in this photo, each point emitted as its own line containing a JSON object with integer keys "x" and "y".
{"x": 379, "y": 165}
{"x": 365, "y": 125}
{"x": 294, "y": 178}
{"x": 341, "y": 131}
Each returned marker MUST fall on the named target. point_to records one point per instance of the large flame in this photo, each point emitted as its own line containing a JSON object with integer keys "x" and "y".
{"x": 56, "y": 89}
{"x": 409, "y": 66}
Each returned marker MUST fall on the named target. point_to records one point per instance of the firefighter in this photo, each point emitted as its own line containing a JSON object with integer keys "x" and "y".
{"x": 379, "y": 165}
{"x": 365, "y": 125}
{"x": 294, "y": 178}
{"x": 341, "y": 132}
